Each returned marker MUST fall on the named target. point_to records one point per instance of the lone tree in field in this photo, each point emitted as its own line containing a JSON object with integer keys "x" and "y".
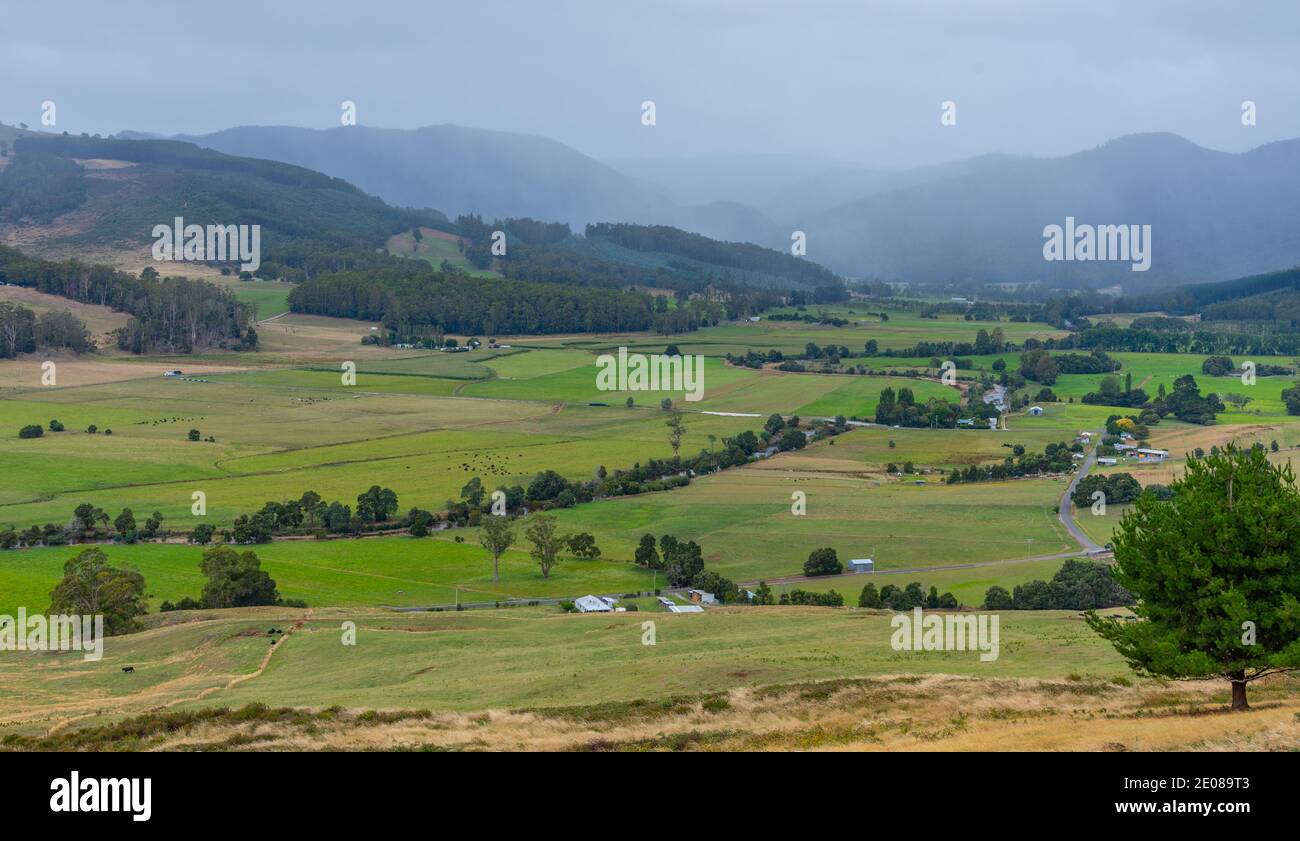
{"x": 546, "y": 543}
{"x": 1216, "y": 572}
{"x": 90, "y": 586}
{"x": 497, "y": 535}
{"x": 675, "y": 430}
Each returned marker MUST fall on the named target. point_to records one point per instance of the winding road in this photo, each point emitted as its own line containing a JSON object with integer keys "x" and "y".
{"x": 1065, "y": 510}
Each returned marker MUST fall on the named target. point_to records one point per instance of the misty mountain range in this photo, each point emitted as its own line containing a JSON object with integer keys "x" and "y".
{"x": 1213, "y": 215}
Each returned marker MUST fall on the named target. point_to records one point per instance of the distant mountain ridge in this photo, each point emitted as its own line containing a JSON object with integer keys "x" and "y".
{"x": 490, "y": 173}
{"x": 1214, "y": 216}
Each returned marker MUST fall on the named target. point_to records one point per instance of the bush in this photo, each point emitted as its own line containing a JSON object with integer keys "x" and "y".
{"x": 56, "y": 426}
{"x": 997, "y": 598}
{"x": 31, "y": 431}
{"x": 823, "y": 562}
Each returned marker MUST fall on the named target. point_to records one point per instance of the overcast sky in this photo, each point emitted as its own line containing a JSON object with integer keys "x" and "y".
{"x": 849, "y": 79}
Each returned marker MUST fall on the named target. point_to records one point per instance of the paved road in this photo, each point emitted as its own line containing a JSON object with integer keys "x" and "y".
{"x": 1066, "y": 516}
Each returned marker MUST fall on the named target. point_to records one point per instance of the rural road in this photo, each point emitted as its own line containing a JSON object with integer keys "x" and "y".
{"x": 1065, "y": 514}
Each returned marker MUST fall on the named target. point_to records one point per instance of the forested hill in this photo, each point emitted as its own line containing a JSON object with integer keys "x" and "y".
{"x": 169, "y": 314}
{"x": 1274, "y": 296}
{"x": 626, "y": 255}
{"x": 762, "y": 266}
{"x": 121, "y": 189}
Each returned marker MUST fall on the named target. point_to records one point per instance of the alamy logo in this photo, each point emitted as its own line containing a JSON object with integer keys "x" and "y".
{"x": 197, "y": 244}
{"x": 946, "y": 632}
{"x": 53, "y": 633}
{"x": 121, "y": 794}
{"x": 655, "y": 372}
{"x": 1131, "y": 243}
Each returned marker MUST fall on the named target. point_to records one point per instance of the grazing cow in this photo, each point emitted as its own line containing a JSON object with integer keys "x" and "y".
{"x": 128, "y": 669}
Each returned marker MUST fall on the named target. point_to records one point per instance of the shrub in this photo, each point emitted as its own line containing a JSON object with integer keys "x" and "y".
{"x": 31, "y": 430}
{"x": 823, "y": 562}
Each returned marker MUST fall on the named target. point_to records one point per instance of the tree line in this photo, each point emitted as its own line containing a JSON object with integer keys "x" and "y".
{"x": 168, "y": 314}
{"x": 23, "y": 331}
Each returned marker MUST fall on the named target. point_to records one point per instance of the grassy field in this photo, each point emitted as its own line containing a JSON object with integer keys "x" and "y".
{"x": 425, "y": 423}
{"x": 329, "y": 439}
{"x": 435, "y": 247}
{"x": 399, "y": 571}
{"x": 513, "y": 659}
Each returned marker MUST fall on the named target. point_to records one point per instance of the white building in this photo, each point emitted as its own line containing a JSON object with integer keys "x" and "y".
{"x": 1152, "y": 455}
{"x": 685, "y": 608}
{"x": 701, "y": 597}
{"x": 593, "y": 604}
{"x": 1035, "y": 410}
{"x": 862, "y": 565}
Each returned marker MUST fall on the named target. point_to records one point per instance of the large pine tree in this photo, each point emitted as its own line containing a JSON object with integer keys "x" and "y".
{"x": 1216, "y": 572}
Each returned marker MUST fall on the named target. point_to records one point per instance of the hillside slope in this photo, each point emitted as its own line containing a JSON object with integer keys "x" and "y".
{"x": 1213, "y": 216}
{"x": 491, "y": 173}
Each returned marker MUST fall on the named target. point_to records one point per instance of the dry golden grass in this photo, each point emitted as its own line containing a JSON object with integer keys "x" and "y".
{"x": 24, "y": 374}
{"x": 888, "y": 713}
{"x": 317, "y": 337}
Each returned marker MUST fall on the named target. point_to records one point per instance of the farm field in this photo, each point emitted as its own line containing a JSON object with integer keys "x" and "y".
{"x": 510, "y": 659}
{"x": 902, "y": 330}
{"x": 743, "y": 521}
{"x": 328, "y": 439}
{"x": 398, "y": 571}
{"x": 424, "y": 423}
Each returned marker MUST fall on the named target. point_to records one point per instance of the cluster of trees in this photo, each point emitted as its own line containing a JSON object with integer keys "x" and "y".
{"x": 232, "y": 579}
{"x": 755, "y": 359}
{"x": 903, "y": 410}
{"x": 1291, "y": 397}
{"x": 680, "y": 560}
{"x": 1039, "y": 365}
{"x": 1221, "y": 366}
{"x": 1077, "y": 585}
{"x": 375, "y": 508}
{"x": 1136, "y": 340}
{"x": 985, "y": 343}
{"x": 1187, "y": 404}
{"x": 550, "y": 489}
{"x": 1055, "y": 458}
{"x": 906, "y": 598}
{"x": 1110, "y": 393}
{"x": 92, "y": 587}
{"x": 417, "y": 303}
{"x": 23, "y": 331}
{"x": 168, "y": 315}
{"x": 88, "y": 523}
{"x": 1119, "y": 488}
{"x": 808, "y": 318}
